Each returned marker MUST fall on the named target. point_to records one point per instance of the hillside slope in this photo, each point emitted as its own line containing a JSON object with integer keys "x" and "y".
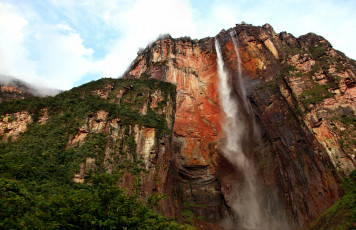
{"x": 54, "y": 148}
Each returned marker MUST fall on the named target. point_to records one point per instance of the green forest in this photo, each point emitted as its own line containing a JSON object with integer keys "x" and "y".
{"x": 36, "y": 171}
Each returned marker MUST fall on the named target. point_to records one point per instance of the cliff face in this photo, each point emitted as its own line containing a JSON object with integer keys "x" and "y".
{"x": 300, "y": 113}
{"x": 297, "y": 102}
{"x": 142, "y": 150}
{"x": 191, "y": 65}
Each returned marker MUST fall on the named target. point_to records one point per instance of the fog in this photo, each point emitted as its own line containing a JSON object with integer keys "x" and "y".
{"x": 27, "y": 87}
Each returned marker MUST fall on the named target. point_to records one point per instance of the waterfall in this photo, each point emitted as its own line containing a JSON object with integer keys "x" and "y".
{"x": 246, "y": 204}
{"x": 256, "y": 206}
{"x": 240, "y": 79}
{"x": 242, "y": 88}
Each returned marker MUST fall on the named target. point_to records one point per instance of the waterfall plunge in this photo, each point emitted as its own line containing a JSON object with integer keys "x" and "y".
{"x": 257, "y": 207}
{"x": 239, "y": 75}
{"x": 246, "y": 204}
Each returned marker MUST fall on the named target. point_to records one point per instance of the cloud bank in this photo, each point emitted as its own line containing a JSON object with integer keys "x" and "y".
{"x": 63, "y": 43}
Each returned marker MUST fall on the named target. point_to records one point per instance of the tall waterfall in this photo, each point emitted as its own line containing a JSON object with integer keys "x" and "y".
{"x": 242, "y": 88}
{"x": 246, "y": 204}
{"x": 240, "y": 79}
{"x": 256, "y": 206}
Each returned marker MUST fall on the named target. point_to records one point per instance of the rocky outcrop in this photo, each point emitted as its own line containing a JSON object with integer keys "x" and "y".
{"x": 141, "y": 152}
{"x": 11, "y": 125}
{"x": 301, "y": 100}
{"x": 11, "y": 91}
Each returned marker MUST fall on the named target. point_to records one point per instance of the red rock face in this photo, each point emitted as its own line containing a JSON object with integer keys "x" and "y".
{"x": 300, "y": 151}
{"x": 185, "y": 64}
{"x": 191, "y": 65}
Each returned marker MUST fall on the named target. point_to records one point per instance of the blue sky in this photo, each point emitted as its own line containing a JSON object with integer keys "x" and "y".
{"x": 65, "y": 43}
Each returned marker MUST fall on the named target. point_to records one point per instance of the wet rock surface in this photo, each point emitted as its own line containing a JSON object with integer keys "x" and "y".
{"x": 302, "y": 94}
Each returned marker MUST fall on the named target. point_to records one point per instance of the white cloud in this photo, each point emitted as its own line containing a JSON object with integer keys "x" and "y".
{"x": 334, "y": 20}
{"x": 62, "y": 56}
{"x": 141, "y": 24}
{"x": 13, "y": 54}
{"x": 60, "y": 51}
{"x": 40, "y": 53}
{"x": 60, "y": 59}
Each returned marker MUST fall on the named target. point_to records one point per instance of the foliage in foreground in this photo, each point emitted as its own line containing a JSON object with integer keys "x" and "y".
{"x": 103, "y": 205}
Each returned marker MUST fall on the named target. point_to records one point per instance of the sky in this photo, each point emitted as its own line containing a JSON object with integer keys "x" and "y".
{"x": 65, "y": 43}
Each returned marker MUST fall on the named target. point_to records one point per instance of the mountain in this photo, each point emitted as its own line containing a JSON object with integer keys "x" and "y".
{"x": 301, "y": 93}
{"x": 249, "y": 130}
{"x": 13, "y": 88}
